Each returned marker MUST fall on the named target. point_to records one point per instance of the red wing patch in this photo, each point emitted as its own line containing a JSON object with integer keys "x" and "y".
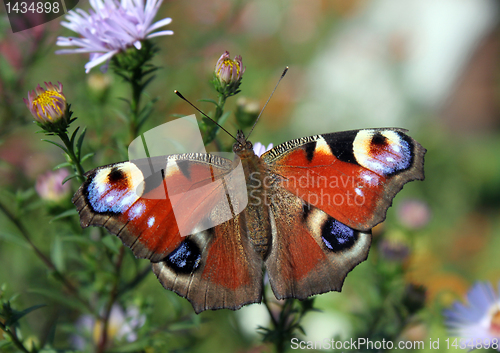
{"x": 352, "y": 176}
{"x": 226, "y": 263}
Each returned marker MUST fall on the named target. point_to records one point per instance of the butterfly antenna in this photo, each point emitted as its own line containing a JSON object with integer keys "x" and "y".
{"x": 205, "y": 115}
{"x": 265, "y": 105}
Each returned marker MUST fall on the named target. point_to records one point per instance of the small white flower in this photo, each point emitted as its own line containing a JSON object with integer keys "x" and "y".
{"x": 122, "y": 326}
{"x": 479, "y": 321}
{"x": 259, "y": 148}
{"x": 110, "y": 27}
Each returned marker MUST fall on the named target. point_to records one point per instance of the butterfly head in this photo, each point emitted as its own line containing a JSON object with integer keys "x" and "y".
{"x": 242, "y": 144}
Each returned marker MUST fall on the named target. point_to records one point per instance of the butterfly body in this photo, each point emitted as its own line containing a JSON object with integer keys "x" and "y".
{"x": 209, "y": 225}
{"x": 255, "y": 217}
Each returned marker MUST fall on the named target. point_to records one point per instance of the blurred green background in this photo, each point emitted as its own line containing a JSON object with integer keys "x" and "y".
{"x": 430, "y": 66}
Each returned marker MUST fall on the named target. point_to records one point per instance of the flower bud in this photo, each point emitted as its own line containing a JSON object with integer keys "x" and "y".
{"x": 228, "y": 74}
{"x": 48, "y": 107}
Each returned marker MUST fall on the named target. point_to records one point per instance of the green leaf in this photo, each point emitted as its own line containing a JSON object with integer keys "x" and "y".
{"x": 182, "y": 325}
{"x": 121, "y": 115}
{"x": 110, "y": 243}
{"x": 58, "y": 145}
{"x": 35, "y": 205}
{"x": 78, "y": 239}
{"x": 79, "y": 144}
{"x": 146, "y": 112}
{"x": 69, "y": 178}
{"x": 125, "y": 100}
{"x": 24, "y": 195}
{"x": 209, "y": 101}
{"x": 73, "y": 136}
{"x": 224, "y": 117}
{"x": 59, "y": 297}
{"x": 50, "y": 337}
{"x": 87, "y": 156}
{"x": 17, "y": 315}
{"x": 147, "y": 72}
{"x": 147, "y": 82}
{"x": 137, "y": 346}
{"x": 14, "y": 239}
{"x": 57, "y": 253}
{"x": 62, "y": 165}
{"x": 68, "y": 213}
{"x": 5, "y": 343}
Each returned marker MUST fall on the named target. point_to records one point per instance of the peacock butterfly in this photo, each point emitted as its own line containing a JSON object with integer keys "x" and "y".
{"x": 303, "y": 210}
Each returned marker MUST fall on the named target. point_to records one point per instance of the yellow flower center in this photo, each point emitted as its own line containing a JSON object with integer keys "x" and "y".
{"x": 231, "y": 63}
{"x": 46, "y": 99}
{"x": 111, "y": 332}
{"x": 495, "y": 324}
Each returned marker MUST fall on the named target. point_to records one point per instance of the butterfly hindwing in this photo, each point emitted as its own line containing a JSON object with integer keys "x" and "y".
{"x": 214, "y": 269}
{"x": 311, "y": 252}
{"x": 352, "y": 175}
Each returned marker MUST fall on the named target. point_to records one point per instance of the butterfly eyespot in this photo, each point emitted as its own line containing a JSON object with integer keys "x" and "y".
{"x": 115, "y": 175}
{"x": 384, "y": 152}
{"x": 185, "y": 258}
{"x": 337, "y": 236}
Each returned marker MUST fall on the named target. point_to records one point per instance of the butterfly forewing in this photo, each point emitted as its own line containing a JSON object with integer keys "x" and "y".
{"x": 353, "y": 175}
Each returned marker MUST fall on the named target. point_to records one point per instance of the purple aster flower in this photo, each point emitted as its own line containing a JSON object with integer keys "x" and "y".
{"x": 110, "y": 27}
{"x": 479, "y": 321}
{"x": 414, "y": 214}
{"x": 259, "y": 148}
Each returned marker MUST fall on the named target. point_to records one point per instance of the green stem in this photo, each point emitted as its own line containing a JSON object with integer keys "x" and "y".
{"x": 58, "y": 275}
{"x": 74, "y": 159}
{"x": 14, "y": 339}
{"x": 135, "y": 103}
{"x": 220, "y": 107}
{"x": 101, "y": 347}
{"x": 266, "y": 303}
{"x": 134, "y": 67}
{"x": 212, "y": 131}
